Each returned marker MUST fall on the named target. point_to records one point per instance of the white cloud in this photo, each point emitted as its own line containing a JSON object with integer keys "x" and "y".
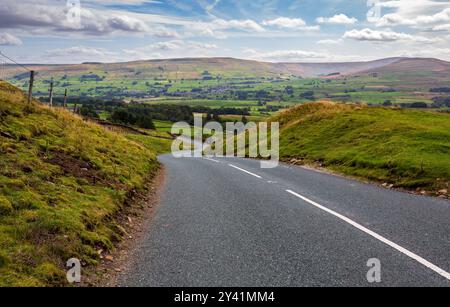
{"x": 51, "y": 18}
{"x": 416, "y": 14}
{"x": 284, "y": 22}
{"x": 221, "y": 29}
{"x": 340, "y": 19}
{"x": 303, "y": 56}
{"x": 386, "y": 36}
{"x": 9, "y": 40}
{"x": 171, "y": 48}
{"x": 329, "y": 41}
{"x": 445, "y": 27}
{"x": 286, "y": 55}
{"x": 243, "y": 25}
{"x": 80, "y": 54}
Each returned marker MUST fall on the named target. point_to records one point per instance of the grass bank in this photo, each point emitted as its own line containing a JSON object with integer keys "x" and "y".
{"x": 406, "y": 148}
{"x": 62, "y": 182}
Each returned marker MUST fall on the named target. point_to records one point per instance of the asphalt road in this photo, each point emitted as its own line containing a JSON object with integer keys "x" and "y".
{"x": 228, "y": 223}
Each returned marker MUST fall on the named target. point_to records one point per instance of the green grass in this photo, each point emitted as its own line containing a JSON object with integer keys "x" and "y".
{"x": 62, "y": 182}
{"x": 161, "y": 142}
{"x": 410, "y": 149}
{"x": 163, "y": 126}
{"x": 211, "y": 103}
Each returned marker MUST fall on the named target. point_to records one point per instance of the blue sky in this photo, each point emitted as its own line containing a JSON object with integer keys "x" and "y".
{"x": 60, "y": 31}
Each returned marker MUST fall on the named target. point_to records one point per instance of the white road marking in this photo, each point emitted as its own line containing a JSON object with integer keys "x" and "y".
{"x": 243, "y": 170}
{"x": 209, "y": 159}
{"x": 377, "y": 236}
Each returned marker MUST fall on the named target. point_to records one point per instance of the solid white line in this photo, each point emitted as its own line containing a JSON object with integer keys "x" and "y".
{"x": 209, "y": 159}
{"x": 243, "y": 170}
{"x": 377, "y": 236}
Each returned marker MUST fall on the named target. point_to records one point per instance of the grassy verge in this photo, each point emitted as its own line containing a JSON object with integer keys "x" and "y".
{"x": 409, "y": 149}
{"x": 62, "y": 182}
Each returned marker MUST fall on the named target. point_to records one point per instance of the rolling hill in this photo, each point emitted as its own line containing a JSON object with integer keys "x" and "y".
{"x": 412, "y": 65}
{"x": 192, "y": 68}
{"x": 311, "y": 70}
{"x": 406, "y": 148}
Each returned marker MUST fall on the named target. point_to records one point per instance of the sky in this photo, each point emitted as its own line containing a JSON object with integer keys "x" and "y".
{"x": 60, "y": 31}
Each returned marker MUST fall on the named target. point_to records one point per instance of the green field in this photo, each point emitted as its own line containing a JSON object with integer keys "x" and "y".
{"x": 231, "y": 92}
{"x": 163, "y": 126}
{"x": 225, "y": 84}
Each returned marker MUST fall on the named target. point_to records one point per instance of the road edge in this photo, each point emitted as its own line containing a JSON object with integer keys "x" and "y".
{"x": 135, "y": 222}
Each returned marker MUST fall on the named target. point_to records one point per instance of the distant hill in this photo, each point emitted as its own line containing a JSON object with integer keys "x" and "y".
{"x": 193, "y": 68}
{"x": 412, "y": 65}
{"x": 324, "y": 69}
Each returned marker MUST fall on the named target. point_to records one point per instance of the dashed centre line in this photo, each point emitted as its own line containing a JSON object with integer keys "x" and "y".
{"x": 245, "y": 171}
{"x": 373, "y": 234}
{"x": 209, "y": 159}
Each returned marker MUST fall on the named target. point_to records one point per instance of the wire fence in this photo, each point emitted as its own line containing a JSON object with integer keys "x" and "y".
{"x": 9, "y": 70}
{"x": 14, "y": 62}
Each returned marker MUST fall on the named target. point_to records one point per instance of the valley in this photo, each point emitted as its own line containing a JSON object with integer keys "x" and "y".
{"x": 264, "y": 88}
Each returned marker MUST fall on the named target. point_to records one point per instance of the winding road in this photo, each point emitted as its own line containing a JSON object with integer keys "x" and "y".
{"x": 228, "y": 223}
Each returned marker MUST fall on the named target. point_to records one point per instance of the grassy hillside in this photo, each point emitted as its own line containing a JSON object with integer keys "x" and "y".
{"x": 406, "y": 148}
{"x": 62, "y": 181}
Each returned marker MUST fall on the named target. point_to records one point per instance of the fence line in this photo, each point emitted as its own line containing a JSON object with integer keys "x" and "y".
{"x": 4, "y": 59}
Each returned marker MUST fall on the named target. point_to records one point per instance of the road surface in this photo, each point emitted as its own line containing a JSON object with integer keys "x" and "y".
{"x": 228, "y": 223}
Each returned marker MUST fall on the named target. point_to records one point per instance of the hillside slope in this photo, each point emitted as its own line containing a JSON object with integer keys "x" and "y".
{"x": 192, "y": 68}
{"x": 406, "y": 148}
{"x": 311, "y": 70}
{"x": 62, "y": 181}
{"x": 413, "y": 65}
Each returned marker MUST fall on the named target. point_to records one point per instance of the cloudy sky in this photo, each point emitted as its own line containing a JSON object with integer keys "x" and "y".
{"x": 60, "y": 31}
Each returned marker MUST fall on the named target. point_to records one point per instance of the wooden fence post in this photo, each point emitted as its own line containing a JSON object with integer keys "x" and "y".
{"x": 30, "y": 88}
{"x": 51, "y": 94}
{"x": 65, "y": 99}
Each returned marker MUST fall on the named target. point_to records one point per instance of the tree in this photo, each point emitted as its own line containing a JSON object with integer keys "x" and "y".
{"x": 289, "y": 90}
{"x": 418, "y": 105}
{"x": 146, "y": 123}
{"x": 88, "y": 111}
{"x": 308, "y": 95}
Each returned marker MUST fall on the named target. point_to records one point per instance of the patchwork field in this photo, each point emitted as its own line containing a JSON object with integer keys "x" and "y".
{"x": 263, "y": 87}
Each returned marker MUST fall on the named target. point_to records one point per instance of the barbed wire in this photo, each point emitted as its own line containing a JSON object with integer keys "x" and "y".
{"x": 15, "y": 62}
{"x": 38, "y": 74}
{"x": 8, "y": 70}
